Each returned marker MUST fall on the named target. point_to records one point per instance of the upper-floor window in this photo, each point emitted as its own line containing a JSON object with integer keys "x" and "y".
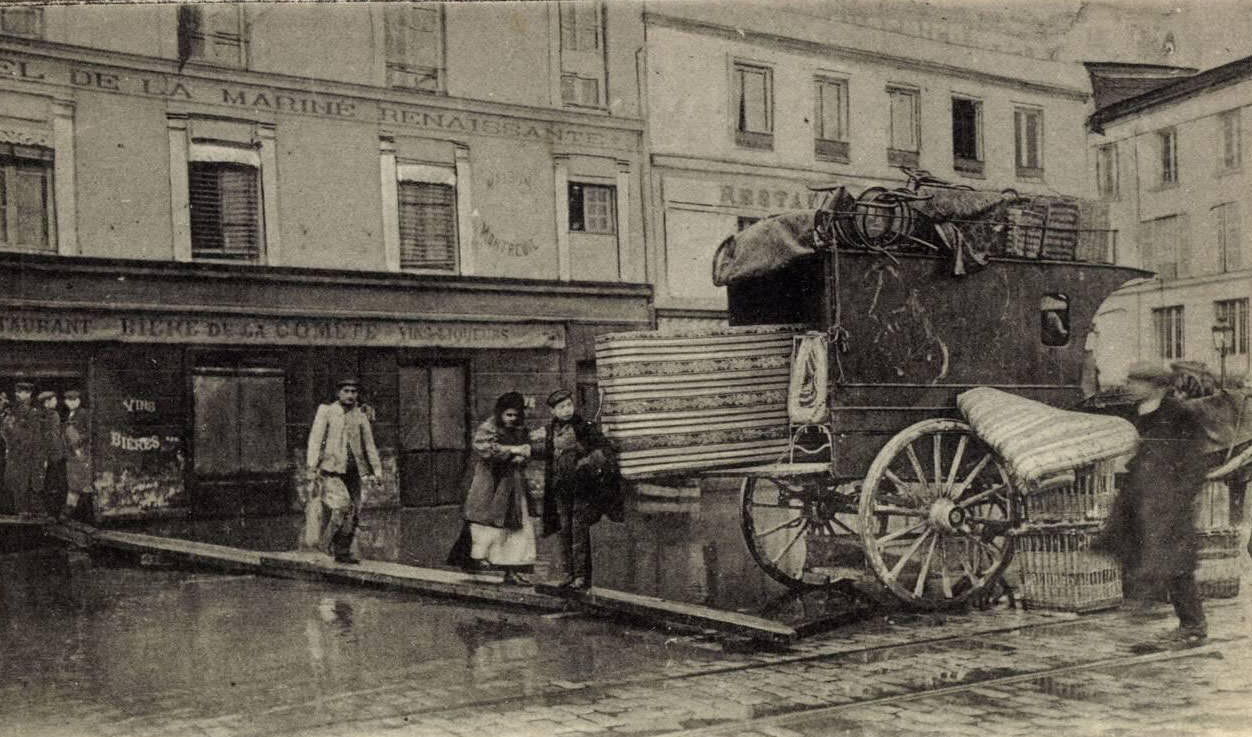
{"x": 211, "y": 33}
{"x": 905, "y": 135}
{"x": 1230, "y": 142}
{"x": 224, "y": 199}
{"x": 26, "y": 212}
{"x": 1106, "y": 170}
{"x": 582, "y": 58}
{"x": 592, "y": 208}
{"x": 967, "y": 135}
{"x": 1165, "y": 247}
{"x": 413, "y": 38}
{"x": 1234, "y": 312}
{"x": 1230, "y": 246}
{"x": 753, "y": 105}
{"x": 22, "y": 21}
{"x": 1167, "y": 324}
{"x": 1167, "y": 146}
{"x": 831, "y": 98}
{"x": 1028, "y": 141}
{"x": 426, "y": 206}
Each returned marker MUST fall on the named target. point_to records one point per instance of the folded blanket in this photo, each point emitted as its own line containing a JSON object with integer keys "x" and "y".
{"x": 1037, "y": 441}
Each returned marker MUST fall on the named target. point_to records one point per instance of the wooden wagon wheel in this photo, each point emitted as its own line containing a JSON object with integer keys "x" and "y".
{"x": 950, "y": 507}
{"x": 800, "y": 532}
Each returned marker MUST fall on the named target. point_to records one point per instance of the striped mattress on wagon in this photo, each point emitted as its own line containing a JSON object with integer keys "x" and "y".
{"x": 679, "y": 402}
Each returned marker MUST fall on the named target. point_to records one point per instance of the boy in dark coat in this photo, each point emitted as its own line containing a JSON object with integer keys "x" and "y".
{"x": 1151, "y": 527}
{"x": 580, "y": 486}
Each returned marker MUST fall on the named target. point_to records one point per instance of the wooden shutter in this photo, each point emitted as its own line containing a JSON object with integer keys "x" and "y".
{"x": 1234, "y": 245}
{"x": 413, "y": 43}
{"x": 427, "y": 226}
{"x": 224, "y": 211}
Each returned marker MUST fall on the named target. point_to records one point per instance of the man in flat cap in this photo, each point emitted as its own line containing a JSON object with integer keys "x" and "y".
{"x": 581, "y": 485}
{"x": 76, "y": 433}
{"x": 1151, "y": 526}
{"x": 340, "y": 451}
{"x": 26, "y": 451}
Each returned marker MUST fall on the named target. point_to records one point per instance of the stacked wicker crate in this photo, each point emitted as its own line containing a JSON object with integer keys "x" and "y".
{"x": 1058, "y": 569}
{"x": 1217, "y": 570}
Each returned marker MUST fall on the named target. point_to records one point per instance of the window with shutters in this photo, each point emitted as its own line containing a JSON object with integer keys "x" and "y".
{"x": 1028, "y": 142}
{"x": 414, "y": 46}
{"x": 211, "y": 33}
{"x": 831, "y": 140}
{"x": 26, "y": 212}
{"x": 582, "y": 54}
{"x": 225, "y": 211}
{"x": 23, "y": 21}
{"x": 427, "y": 213}
{"x": 1106, "y": 171}
{"x": 967, "y": 135}
{"x": 1167, "y": 148}
{"x": 1230, "y": 140}
{"x": 1234, "y": 312}
{"x": 1231, "y": 248}
{"x": 592, "y": 208}
{"x": 753, "y": 105}
{"x": 905, "y": 136}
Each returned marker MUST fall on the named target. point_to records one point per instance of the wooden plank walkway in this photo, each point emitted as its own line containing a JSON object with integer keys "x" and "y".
{"x": 11, "y": 520}
{"x": 651, "y": 607}
{"x": 476, "y": 587}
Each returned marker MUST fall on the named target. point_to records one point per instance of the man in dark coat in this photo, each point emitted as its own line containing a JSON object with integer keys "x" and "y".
{"x": 580, "y": 486}
{"x": 26, "y": 451}
{"x": 76, "y": 433}
{"x": 1151, "y": 527}
{"x": 54, "y": 484}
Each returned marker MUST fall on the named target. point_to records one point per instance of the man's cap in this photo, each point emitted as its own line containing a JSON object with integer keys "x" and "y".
{"x": 45, "y": 396}
{"x": 347, "y": 381}
{"x": 558, "y": 396}
{"x": 72, "y": 394}
{"x": 24, "y": 386}
{"x": 1153, "y": 373}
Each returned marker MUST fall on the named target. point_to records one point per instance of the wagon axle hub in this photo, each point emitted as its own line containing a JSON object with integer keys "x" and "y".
{"x": 946, "y": 515}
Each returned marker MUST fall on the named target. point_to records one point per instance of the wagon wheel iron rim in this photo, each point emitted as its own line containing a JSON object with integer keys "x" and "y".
{"x": 951, "y": 508}
{"x": 780, "y": 516}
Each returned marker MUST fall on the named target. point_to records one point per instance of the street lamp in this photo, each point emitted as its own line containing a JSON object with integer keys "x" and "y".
{"x": 1223, "y": 337}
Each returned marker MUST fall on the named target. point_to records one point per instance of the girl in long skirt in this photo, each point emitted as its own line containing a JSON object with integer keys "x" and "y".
{"x": 497, "y": 508}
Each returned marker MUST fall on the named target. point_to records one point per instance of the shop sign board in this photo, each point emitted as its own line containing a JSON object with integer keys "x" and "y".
{"x": 74, "y": 325}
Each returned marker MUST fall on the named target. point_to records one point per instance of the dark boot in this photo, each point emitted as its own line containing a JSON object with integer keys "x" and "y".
{"x": 326, "y": 544}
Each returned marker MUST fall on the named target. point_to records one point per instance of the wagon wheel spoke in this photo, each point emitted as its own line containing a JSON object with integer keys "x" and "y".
{"x": 787, "y": 549}
{"x": 783, "y": 526}
{"x": 921, "y": 575}
{"x": 945, "y": 583}
{"x": 835, "y": 521}
{"x": 973, "y": 474}
{"x": 917, "y": 468}
{"x": 982, "y": 495}
{"x": 937, "y": 458}
{"x": 899, "y": 566}
{"x": 899, "y": 533}
{"x": 956, "y": 463}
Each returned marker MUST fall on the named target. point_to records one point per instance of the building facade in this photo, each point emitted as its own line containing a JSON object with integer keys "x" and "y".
{"x": 212, "y": 211}
{"x": 749, "y": 104}
{"x": 1173, "y": 165}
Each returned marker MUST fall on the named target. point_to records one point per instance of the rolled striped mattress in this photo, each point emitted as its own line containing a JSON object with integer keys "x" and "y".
{"x": 675, "y": 403}
{"x": 1037, "y": 441}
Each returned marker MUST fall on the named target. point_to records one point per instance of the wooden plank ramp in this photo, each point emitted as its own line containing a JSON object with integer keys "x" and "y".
{"x": 484, "y": 588}
{"x": 651, "y": 607}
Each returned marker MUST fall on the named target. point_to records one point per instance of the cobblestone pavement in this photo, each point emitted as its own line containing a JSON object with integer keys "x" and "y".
{"x": 1102, "y": 674}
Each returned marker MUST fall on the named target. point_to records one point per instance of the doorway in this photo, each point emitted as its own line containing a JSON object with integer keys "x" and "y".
{"x": 432, "y": 432}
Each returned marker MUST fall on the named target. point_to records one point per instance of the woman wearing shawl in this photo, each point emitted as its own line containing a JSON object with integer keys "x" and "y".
{"x": 497, "y": 507}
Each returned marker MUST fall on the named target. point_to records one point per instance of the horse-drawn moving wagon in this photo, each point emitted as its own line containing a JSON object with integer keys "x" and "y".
{"x": 833, "y": 394}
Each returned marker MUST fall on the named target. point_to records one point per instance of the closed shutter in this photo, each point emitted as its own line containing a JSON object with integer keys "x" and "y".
{"x": 413, "y": 42}
{"x": 224, "y": 211}
{"x": 427, "y": 226}
{"x": 26, "y": 197}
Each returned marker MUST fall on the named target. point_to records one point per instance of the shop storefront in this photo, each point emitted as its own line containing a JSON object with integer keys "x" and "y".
{"x": 201, "y": 390}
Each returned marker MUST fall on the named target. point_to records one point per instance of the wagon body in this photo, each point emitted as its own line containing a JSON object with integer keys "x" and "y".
{"x": 918, "y": 336}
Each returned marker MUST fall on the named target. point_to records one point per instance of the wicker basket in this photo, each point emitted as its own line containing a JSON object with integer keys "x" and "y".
{"x": 1217, "y": 567}
{"x": 1059, "y": 571}
{"x": 1084, "y": 495}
